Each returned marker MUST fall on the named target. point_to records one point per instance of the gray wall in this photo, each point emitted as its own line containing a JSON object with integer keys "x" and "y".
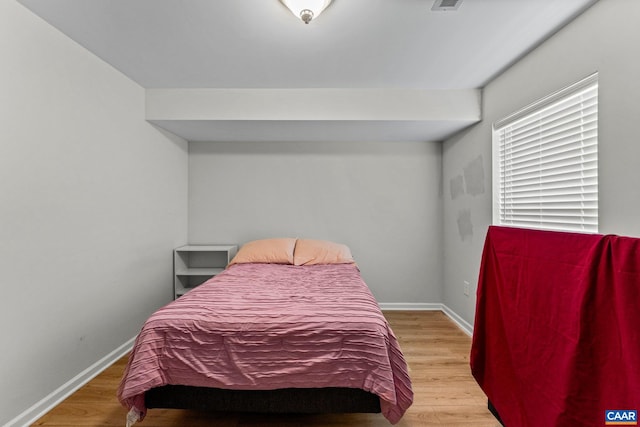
{"x": 93, "y": 198}
{"x": 606, "y": 38}
{"x": 381, "y": 199}
{"x": 92, "y": 201}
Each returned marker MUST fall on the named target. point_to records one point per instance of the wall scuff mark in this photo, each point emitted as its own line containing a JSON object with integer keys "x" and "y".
{"x": 474, "y": 177}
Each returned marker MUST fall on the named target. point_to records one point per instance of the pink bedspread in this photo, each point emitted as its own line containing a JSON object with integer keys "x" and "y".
{"x": 266, "y": 326}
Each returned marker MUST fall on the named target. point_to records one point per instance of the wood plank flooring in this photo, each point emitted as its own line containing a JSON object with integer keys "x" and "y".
{"x": 437, "y": 353}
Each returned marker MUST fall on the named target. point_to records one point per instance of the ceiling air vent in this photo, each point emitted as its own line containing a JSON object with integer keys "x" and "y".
{"x": 446, "y": 5}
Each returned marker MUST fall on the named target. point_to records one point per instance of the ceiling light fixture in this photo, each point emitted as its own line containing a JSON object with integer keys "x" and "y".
{"x": 306, "y": 10}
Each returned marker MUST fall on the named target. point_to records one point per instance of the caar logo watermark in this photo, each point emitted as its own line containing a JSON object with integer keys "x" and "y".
{"x": 624, "y": 417}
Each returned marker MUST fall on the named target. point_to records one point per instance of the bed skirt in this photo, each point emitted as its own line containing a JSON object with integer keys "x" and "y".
{"x": 288, "y": 400}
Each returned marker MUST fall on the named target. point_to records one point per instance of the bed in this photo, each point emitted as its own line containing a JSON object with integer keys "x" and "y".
{"x": 289, "y": 326}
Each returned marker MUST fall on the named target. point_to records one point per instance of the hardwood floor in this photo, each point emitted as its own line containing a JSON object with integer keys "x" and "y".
{"x": 436, "y": 351}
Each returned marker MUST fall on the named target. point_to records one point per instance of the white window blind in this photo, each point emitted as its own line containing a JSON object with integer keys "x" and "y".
{"x": 546, "y": 168}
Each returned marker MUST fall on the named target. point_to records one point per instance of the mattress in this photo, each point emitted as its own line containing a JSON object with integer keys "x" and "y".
{"x": 269, "y": 327}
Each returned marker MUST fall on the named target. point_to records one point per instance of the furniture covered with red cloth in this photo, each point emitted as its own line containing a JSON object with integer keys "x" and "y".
{"x": 556, "y": 337}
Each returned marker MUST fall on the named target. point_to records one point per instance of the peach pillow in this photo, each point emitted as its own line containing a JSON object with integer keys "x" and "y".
{"x": 271, "y": 251}
{"x": 310, "y": 252}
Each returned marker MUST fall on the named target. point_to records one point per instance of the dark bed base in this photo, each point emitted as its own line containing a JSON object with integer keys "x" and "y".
{"x": 289, "y": 400}
{"x": 494, "y": 411}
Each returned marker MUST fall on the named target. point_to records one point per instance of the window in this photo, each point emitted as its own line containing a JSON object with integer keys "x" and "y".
{"x": 545, "y": 161}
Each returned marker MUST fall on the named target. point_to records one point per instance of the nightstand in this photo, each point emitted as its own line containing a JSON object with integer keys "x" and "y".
{"x": 195, "y": 264}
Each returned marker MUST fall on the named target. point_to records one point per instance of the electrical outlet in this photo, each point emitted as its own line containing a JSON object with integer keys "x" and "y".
{"x": 467, "y": 288}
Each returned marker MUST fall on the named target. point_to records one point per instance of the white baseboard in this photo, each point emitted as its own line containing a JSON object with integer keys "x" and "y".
{"x": 465, "y": 326}
{"x": 408, "y": 306}
{"x": 54, "y": 398}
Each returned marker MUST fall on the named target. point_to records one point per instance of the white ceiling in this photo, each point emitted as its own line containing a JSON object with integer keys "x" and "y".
{"x": 354, "y": 44}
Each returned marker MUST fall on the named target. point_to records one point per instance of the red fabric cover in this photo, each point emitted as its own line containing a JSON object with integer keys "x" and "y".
{"x": 270, "y": 326}
{"x": 557, "y": 328}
